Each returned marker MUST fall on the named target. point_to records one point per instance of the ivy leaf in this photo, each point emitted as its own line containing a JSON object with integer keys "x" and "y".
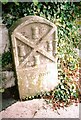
{"x": 35, "y": 2}
{"x": 1, "y": 90}
{"x": 4, "y": 1}
{"x": 16, "y": 2}
{"x": 46, "y": 0}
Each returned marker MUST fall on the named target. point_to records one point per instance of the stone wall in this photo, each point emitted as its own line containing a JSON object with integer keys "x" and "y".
{"x": 7, "y": 78}
{"x": 4, "y": 40}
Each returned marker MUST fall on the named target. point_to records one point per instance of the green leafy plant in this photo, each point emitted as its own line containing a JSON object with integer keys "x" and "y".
{"x": 64, "y": 16}
{"x": 6, "y": 1}
{"x": 6, "y": 58}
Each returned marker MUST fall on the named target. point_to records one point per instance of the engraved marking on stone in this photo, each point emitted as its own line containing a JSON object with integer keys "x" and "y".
{"x": 35, "y": 80}
{"x": 22, "y": 52}
{"x": 27, "y": 83}
{"x": 29, "y": 64}
{"x": 55, "y": 44}
{"x": 37, "y": 59}
{"x": 32, "y": 20}
{"x": 36, "y": 48}
{"x": 50, "y": 47}
{"x": 35, "y": 32}
{"x": 43, "y": 74}
{"x": 15, "y": 51}
{"x": 24, "y": 39}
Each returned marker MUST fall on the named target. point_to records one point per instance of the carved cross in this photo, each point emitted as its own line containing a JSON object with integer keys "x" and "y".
{"x": 36, "y": 46}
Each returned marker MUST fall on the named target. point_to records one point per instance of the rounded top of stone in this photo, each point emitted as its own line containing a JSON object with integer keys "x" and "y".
{"x": 23, "y": 22}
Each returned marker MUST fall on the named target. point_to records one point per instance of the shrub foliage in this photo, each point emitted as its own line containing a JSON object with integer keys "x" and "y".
{"x": 64, "y": 15}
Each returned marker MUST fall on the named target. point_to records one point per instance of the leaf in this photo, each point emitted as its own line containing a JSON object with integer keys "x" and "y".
{"x": 35, "y": 2}
{"x": 16, "y": 2}
{"x": 4, "y": 1}
{"x": 1, "y": 90}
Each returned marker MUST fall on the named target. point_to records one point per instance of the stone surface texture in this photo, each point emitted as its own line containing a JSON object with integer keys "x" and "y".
{"x": 8, "y": 79}
{"x": 34, "y": 42}
{"x": 4, "y": 39}
{"x": 38, "y": 108}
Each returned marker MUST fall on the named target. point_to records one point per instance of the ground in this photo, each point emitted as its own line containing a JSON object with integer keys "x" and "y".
{"x": 37, "y": 108}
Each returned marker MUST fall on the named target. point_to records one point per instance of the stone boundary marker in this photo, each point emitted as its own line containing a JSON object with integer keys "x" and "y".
{"x": 34, "y": 44}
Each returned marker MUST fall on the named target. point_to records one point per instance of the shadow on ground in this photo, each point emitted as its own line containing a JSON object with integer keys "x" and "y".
{"x": 9, "y": 97}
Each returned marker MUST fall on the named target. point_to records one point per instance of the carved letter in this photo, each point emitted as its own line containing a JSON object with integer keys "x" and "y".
{"x": 50, "y": 47}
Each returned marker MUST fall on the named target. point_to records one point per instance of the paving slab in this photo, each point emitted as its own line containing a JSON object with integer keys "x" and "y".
{"x": 37, "y": 108}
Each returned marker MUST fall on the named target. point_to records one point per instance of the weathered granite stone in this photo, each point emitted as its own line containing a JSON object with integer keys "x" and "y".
{"x": 8, "y": 79}
{"x": 4, "y": 39}
{"x": 34, "y": 44}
